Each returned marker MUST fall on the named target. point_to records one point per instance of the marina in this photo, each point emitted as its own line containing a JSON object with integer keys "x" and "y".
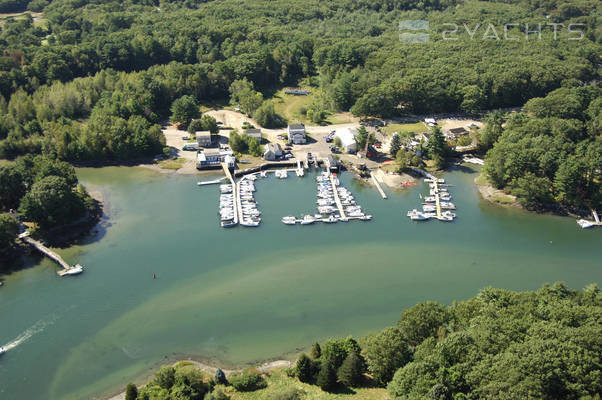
{"x": 335, "y": 203}
{"x": 242, "y": 273}
{"x": 437, "y": 205}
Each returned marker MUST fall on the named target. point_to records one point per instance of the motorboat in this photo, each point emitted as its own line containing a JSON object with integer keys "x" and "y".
{"x": 228, "y": 224}
{"x": 2, "y": 350}
{"x": 308, "y": 219}
{"x": 330, "y": 220}
{"x": 447, "y": 205}
{"x": 289, "y": 220}
{"x": 75, "y": 270}
{"x": 585, "y": 224}
{"x": 429, "y": 208}
{"x": 249, "y": 222}
{"x": 366, "y": 217}
{"x": 416, "y": 215}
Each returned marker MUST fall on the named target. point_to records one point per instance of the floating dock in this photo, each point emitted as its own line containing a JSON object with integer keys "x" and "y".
{"x": 67, "y": 269}
{"x": 234, "y": 191}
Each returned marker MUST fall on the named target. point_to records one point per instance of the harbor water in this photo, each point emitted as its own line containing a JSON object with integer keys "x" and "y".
{"x": 242, "y": 295}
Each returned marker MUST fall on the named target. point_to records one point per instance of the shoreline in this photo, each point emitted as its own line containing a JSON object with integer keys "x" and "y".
{"x": 201, "y": 366}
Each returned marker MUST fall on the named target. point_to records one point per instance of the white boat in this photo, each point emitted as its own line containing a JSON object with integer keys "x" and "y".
{"x": 447, "y": 205}
{"x": 308, "y": 219}
{"x": 366, "y": 217}
{"x": 330, "y": 220}
{"x": 289, "y": 220}
{"x": 228, "y": 224}
{"x": 428, "y": 208}
{"x": 75, "y": 270}
{"x": 263, "y": 174}
{"x": 249, "y": 222}
{"x": 585, "y": 223}
{"x": 430, "y": 199}
{"x": 343, "y": 219}
{"x": 416, "y": 215}
{"x": 2, "y": 350}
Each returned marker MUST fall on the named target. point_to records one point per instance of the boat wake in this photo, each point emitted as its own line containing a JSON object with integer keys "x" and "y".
{"x": 36, "y": 328}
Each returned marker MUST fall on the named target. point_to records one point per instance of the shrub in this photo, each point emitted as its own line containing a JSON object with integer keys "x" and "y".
{"x": 316, "y": 351}
{"x": 131, "y": 392}
{"x": 352, "y": 370}
{"x": 247, "y": 381}
{"x": 290, "y": 394}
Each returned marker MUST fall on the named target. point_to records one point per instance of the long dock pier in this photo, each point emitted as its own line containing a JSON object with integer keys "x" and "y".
{"x": 337, "y": 199}
{"x": 67, "y": 269}
{"x": 235, "y": 191}
{"x": 377, "y": 184}
{"x": 437, "y": 200}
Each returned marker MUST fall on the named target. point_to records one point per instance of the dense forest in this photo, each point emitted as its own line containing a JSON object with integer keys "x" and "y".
{"x": 550, "y": 155}
{"x": 90, "y": 80}
{"x": 544, "y": 344}
{"x": 44, "y": 191}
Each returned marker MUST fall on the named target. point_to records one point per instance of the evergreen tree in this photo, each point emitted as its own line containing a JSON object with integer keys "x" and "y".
{"x": 131, "y": 392}
{"x": 303, "y": 368}
{"x": 327, "y": 377}
{"x": 350, "y": 373}
{"x": 316, "y": 351}
{"x": 395, "y": 145}
{"x": 220, "y": 377}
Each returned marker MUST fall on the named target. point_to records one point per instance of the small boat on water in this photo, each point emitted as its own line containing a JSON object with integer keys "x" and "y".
{"x": 75, "y": 270}
{"x": 585, "y": 224}
{"x": 428, "y": 208}
{"x": 289, "y": 220}
{"x": 366, "y": 217}
{"x": 416, "y": 215}
{"x": 228, "y": 224}
{"x": 2, "y": 350}
{"x": 308, "y": 219}
{"x": 330, "y": 220}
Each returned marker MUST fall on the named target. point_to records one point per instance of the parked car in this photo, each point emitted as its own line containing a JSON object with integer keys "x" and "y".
{"x": 185, "y": 137}
{"x": 289, "y": 156}
{"x": 288, "y": 148}
{"x": 280, "y": 137}
{"x": 219, "y": 123}
{"x": 328, "y": 138}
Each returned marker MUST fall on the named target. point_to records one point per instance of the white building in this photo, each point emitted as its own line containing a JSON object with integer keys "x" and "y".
{"x": 272, "y": 151}
{"x": 296, "y": 134}
{"x": 347, "y": 137}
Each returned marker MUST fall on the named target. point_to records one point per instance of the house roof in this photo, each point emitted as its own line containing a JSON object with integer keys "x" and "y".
{"x": 253, "y": 132}
{"x": 347, "y": 136}
{"x": 296, "y": 126}
{"x": 203, "y": 134}
{"x": 458, "y": 130}
{"x": 275, "y": 147}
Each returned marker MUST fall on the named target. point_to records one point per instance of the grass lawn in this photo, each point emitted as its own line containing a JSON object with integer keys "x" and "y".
{"x": 417, "y": 127}
{"x": 172, "y": 164}
{"x": 290, "y": 106}
{"x": 278, "y": 382}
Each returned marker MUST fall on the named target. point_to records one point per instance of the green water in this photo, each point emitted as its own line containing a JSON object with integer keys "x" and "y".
{"x": 242, "y": 295}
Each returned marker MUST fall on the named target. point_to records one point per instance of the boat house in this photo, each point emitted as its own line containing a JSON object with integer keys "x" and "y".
{"x": 211, "y": 158}
{"x": 296, "y": 134}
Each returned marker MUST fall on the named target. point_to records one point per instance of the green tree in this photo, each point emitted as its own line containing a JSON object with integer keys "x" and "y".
{"x": 254, "y": 147}
{"x": 208, "y": 123}
{"x": 316, "y": 351}
{"x": 184, "y": 110}
{"x": 386, "y": 352}
{"x": 9, "y": 229}
{"x": 492, "y": 130}
{"x": 422, "y": 321}
{"x": 437, "y": 147}
{"x": 195, "y": 126}
{"x": 473, "y": 99}
{"x": 12, "y": 187}
{"x": 242, "y": 94}
{"x": 165, "y": 377}
{"x": 266, "y": 116}
{"x": 303, "y": 368}
{"x": 238, "y": 143}
{"x": 350, "y": 373}
{"x": 50, "y": 202}
{"x": 327, "y": 377}
{"x": 220, "y": 377}
{"x": 395, "y": 145}
{"x": 131, "y": 392}
{"x": 337, "y": 142}
{"x": 247, "y": 381}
